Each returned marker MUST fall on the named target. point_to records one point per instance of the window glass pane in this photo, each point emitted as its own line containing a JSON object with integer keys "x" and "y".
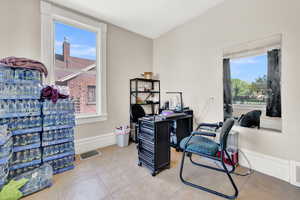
{"x": 249, "y": 80}
{"x": 75, "y": 65}
{"x": 83, "y": 91}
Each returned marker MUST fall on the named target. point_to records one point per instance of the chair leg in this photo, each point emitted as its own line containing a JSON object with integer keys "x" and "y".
{"x": 207, "y": 189}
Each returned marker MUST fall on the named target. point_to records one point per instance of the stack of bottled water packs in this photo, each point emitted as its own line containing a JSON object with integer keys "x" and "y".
{"x": 5, "y": 153}
{"x": 58, "y": 134}
{"x": 20, "y": 111}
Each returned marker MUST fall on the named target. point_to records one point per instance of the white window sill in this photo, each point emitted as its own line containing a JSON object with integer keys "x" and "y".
{"x": 249, "y": 106}
{"x": 86, "y": 119}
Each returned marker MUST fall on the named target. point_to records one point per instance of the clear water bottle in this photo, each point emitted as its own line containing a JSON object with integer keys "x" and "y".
{"x": 2, "y": 88}
{"x": 19, "y": 74}
{"x": 2, "y": 107}
{"x": 28, "y": 75}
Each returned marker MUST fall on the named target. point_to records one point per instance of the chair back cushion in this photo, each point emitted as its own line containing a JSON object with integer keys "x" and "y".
{"x": 228, "y": 124}
{"x": 136, "y": 112}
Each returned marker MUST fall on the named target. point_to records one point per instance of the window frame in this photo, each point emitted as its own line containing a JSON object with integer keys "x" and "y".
{"x": 51, "y": 13}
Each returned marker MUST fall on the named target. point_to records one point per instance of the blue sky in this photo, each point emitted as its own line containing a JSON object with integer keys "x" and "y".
{"x": 250, "y": 68}
{"x": 83, "y": 42}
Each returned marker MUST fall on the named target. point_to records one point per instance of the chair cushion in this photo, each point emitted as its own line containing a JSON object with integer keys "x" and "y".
{"x": 201, "y": 145}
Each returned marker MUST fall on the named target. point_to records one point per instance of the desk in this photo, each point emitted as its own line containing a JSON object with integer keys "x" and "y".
{"x": 154, "y": 139}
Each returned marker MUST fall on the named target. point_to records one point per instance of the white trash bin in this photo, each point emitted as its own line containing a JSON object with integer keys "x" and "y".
{"x": 122, "y": 136}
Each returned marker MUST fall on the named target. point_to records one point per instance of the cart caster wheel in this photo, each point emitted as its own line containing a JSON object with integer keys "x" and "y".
{"x": 153, "y": 174}
{"x": 139, "y": 164}
{"x": 189, "y": 155}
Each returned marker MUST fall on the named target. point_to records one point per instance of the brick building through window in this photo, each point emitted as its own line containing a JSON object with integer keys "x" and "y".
{"x": 79, "y": 74}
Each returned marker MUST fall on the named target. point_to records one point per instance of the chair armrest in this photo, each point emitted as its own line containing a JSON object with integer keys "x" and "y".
{"x": 202, "y": 133}
{"x": 212, "y": 125}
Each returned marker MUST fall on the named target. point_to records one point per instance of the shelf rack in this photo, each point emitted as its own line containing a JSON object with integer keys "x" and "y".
{"x": 154, "y": 90}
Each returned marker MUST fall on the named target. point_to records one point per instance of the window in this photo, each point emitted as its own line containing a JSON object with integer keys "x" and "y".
{"x": 91, "y": 94}
{"x": 253, "y": 83}
{"x": 75, "y": 64}
{"x": 77, "y": 59}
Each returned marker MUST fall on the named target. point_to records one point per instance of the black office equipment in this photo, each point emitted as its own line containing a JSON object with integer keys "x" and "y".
{"x": 154, "y": 144}
{"x": 136, "y": 112}
{"x": 181, "y": 127}
{"x": 181, "y": 101}
{"x": 196, "y": 144}
{"x": 145, "y": 93}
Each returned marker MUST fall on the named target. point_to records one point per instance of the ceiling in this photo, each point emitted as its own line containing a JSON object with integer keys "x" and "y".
{"x": 150, "y": 18}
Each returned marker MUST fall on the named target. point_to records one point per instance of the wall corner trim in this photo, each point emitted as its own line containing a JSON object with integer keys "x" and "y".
{"x": 92, "y": 143}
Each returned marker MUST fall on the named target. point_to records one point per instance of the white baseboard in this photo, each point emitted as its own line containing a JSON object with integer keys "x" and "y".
{"x": 295, "y": 173}
{"x": 92, "y": 143}
{"x": 265, "y": 164}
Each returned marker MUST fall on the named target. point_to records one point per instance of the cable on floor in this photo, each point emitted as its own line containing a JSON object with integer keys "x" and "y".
{"x": 249, "y": 171}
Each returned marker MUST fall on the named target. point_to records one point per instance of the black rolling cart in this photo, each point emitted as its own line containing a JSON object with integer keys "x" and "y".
{"x": 146, "y": 93}
{"x": 154, "y": 144}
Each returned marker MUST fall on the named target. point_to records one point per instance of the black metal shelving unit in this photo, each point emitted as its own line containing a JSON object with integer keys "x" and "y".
{"x": 154, "y": 90}
{"x": 146, "y": 97}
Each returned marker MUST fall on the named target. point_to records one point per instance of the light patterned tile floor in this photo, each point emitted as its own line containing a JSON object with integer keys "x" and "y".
{"x": 115, "y": 176}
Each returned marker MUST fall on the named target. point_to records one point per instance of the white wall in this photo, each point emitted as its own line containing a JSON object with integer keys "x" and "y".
{"x": 189, "y": 58}
{"x": 128, "y": 55}
{"x": 20, "y": 32}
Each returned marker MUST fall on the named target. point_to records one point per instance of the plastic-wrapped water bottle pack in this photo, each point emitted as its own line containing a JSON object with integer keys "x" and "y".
{"x": 8, "y": 74}
{"x": 22, "y": 122}
{"x": 62, "y": 162}
{"x": 58, "y": 149}
{"x": 26, "y": 156}
{"x": 5, "y": 153}
{"x": 16, "y": 172}
{"x": 6, "y": 148}
{"x": 60, "y": 119}
{"x": 19, "y": 106}
{"x": 20, "y": 91}
{"x": 4, "y": 171}
{"x": 38, "y": 179}
{"x": 57, "y": 134}
{"x": 62, "y": 105}
{"x": 26, "y": 139}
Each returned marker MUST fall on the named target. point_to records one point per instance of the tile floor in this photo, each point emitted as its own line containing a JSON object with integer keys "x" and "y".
{"x": 115, "y": 176}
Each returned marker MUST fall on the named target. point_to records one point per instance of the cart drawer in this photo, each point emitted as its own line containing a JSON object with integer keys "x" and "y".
{"x": 148, "y": 164}
{"x": 145, "y": 136}
{"x": 149, "y": 159}
{"x": 149, "y": 146}
{"x": 147, "y": 124}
